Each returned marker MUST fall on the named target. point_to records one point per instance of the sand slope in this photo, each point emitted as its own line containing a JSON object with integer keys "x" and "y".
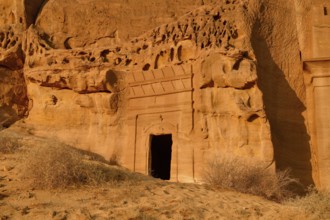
{"x": 146, "y": 199}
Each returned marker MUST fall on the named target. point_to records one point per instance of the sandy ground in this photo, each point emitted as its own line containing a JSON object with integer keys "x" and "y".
{"x": 147, "y": 199}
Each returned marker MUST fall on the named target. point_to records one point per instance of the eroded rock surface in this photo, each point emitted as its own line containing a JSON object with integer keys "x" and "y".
{"x": 13, "y": 94}
{"x": 213, "y": 75}
{"x": 194, "y": 78}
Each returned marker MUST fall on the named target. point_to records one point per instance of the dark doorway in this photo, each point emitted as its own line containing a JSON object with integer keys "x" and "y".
{"x": 160, "y": 156}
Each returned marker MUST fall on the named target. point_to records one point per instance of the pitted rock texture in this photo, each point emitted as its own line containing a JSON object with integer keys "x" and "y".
{"x": 197, "y": 72}
{"x": 13, "y": 93}
{"x": 216, "y": 75}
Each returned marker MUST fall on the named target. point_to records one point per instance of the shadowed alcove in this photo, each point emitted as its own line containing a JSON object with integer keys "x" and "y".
{"x": 32, "y": 9}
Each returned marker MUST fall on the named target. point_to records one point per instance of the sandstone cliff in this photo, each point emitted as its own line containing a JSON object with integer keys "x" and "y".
{"x": 215, "y": 75}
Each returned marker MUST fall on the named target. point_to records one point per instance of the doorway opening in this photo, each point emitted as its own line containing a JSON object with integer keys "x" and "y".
{"x": 160, "y": 156}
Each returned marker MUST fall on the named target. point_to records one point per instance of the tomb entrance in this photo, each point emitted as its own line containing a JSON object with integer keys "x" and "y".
{"x": 160, "y": 156}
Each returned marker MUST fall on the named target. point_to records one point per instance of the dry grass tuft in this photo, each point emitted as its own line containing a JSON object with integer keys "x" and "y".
{"x": 62, "y": 167}
{"x": 144, "y": 216}
{"x": 9, "y": 145}
{"x": 230, "y": 172}
{"x": 114, "y": 159}
{"x": 316, "y": 204}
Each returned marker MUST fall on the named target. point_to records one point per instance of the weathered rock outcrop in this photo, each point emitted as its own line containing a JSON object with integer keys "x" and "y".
{"x": 315, "y": 54}
{"x": 280, "y": 78}
{"x": 13, "y": 98}
{"x": 213, "y": 76}
{"x": 194, "y": 78}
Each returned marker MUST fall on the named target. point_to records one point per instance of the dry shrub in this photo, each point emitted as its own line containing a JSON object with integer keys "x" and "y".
{"x": 114, "y": 159}
{"x": 316, "y": 204}
{"x": 9, "y": 145}
{"x": 144, "y": 216}
{"x": 232, "y": 172}
{"x": 62, "y": 167}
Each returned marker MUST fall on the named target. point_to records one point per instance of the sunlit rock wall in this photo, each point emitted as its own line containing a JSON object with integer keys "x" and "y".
{"x": 219, "y": 76}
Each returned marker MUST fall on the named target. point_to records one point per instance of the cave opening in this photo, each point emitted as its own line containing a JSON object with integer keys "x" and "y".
{"x": 160, "y": 156}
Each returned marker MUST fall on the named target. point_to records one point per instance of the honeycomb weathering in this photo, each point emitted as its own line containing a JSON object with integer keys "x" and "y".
{"x": 228, "y": 76}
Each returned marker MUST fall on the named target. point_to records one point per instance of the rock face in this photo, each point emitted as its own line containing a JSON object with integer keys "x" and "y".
{"x": 192, "y": 78}
{"x": 316, "y": 72}
{"x": 13, "y": 97}
{"x": 280, "y": 78}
